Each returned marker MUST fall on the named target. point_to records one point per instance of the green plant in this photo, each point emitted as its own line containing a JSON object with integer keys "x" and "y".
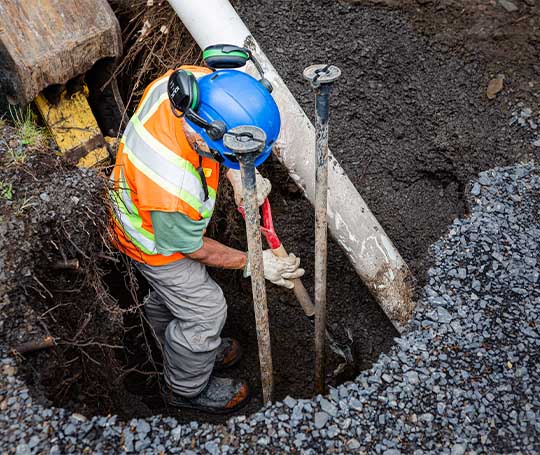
{"x": 17, "y": 155}
{"x": 24, "y": 120}
{"x": 6, "y": 190}
{"x": 24, "y": 205}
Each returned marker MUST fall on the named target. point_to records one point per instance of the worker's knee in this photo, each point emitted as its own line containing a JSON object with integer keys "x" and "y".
{"x": 201, "y": 335}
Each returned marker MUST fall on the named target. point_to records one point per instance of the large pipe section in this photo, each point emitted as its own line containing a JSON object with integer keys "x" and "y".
{"x": 350, "y": 221}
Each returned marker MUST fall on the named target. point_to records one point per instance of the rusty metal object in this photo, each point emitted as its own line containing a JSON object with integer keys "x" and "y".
{"x": 49, "y": 42}
{"x": 246, "y": 143}
{"x": 33, "y": 346}
{"x": 321, "y": 78}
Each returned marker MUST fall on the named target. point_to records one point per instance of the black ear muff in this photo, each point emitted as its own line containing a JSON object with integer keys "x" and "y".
{"x": 183, "y": 92}
{"x": 225, "y": 56}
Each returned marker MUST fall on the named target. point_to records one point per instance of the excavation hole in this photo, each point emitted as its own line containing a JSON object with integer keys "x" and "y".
{"x": 106, "y": 361}
{"x": 351, "y": 307}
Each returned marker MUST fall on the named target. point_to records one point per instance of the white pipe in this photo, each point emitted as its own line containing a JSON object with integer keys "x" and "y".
{"x": 351, "y": 223}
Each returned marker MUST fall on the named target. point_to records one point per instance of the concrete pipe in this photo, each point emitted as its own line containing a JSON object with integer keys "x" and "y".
{"x": 351, "y": 223}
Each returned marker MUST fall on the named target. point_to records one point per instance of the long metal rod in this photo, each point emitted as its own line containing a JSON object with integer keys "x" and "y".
{"x": 321, "y": 229}
{"x": 258, "y": 285}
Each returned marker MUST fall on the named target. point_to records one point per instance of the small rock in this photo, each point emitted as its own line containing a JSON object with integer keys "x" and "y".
{"x": 143, "y": 427}
{"x": 508, "y": 6}
{"x": 78, "y": 417}
{"x": 34, "y": 441}
{"x": 443, "y": 315}
{"x": 412, "y": 377}
{"x": 289, "y": 402}
{"x": 495, "y": 85}
{"x": 23, "y": 449}
{"x": 333, "y": 431}
{"x": 212, "y": 448}
{"x": 328, "y": 407}
{"x": 392, "y": 452}
{"x": 321, "y": 419}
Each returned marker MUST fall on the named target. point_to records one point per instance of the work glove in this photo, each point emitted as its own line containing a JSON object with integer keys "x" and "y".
{"x": 263, "y": 187}
{"x": 279, "y": 270}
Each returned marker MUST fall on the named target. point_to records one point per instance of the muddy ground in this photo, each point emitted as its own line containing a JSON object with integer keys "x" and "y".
{"x": 410, "y": 124}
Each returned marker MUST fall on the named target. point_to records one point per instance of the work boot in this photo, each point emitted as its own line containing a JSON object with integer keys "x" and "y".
{"x": 229, "y": 353}
{"x": 220, "y": 396}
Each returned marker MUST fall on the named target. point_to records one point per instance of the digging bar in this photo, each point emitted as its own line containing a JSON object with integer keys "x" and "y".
{"x": 321, "y": 78}
{"x": 343, "y": 349}
{"x": 246, "y": 142}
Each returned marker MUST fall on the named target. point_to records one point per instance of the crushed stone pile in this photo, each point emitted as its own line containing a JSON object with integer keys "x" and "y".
{"x": 464, "y": 378}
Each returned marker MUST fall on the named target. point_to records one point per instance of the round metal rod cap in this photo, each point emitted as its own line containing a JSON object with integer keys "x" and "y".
{"x": 245, "y": 139}
{"x": 321, "y": 74}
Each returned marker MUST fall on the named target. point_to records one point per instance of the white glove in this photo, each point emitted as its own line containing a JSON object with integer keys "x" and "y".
{"x": 279, "y": 270}
{"x": 263, "y": 187}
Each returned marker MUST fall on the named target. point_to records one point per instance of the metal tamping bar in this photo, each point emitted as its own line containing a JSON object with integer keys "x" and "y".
{"x": 246, "y": 142}
{"x": 321, "y": 78}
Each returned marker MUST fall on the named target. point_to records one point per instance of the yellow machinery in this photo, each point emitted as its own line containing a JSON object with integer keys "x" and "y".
{"x": 44, "y": 46}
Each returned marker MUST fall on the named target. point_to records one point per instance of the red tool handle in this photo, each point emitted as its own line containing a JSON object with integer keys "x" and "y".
{"x": 269, "y": 232}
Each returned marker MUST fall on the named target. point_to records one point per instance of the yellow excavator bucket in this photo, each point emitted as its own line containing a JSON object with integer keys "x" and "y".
{"x": 49, "y": 43}
{"x": 74, "y": 128}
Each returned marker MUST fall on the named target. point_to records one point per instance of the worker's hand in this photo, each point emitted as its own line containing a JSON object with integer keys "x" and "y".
{"x": 279, "y": 270}
{"x": 263, "y": 187}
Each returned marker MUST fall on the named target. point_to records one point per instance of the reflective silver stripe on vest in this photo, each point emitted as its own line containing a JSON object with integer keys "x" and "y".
{"x": 152, "y": 100}
{"x": 179, "y": 173}
{"x": 128, "y": 217}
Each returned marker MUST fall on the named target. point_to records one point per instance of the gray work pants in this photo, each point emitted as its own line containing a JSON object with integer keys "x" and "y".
{"x": 187, "y": 311}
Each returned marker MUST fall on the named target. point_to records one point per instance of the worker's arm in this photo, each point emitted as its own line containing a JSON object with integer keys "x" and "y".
{"x": 176, "y": 232}
{"x": 216, "y": 254}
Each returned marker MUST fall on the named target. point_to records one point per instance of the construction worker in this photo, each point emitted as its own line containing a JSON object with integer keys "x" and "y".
{"x": 165, "y": 184}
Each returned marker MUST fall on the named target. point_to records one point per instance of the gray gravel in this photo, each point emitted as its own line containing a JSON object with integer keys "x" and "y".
{"x": 528, "y": 119}
{"x": 465, "y": 378}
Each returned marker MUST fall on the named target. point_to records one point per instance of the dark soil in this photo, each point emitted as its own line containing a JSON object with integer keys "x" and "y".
{"x": 410, "y": 125}
{"x": 53, "y": 212}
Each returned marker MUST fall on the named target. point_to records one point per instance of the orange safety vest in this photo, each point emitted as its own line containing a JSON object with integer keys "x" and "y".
{"x": 156, "y": 170}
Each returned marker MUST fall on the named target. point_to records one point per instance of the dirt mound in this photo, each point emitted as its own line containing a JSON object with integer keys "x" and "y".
{"x": 53, "y": 242}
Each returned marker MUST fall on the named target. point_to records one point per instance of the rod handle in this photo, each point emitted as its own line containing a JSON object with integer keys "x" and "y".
{"x": 299, "y": 290}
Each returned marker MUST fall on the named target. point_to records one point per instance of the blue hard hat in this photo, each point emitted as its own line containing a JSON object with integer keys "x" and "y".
{"x": 236, "y": 99}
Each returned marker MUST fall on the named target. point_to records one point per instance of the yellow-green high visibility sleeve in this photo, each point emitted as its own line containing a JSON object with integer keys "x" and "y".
{"x": 175, "y": 232}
